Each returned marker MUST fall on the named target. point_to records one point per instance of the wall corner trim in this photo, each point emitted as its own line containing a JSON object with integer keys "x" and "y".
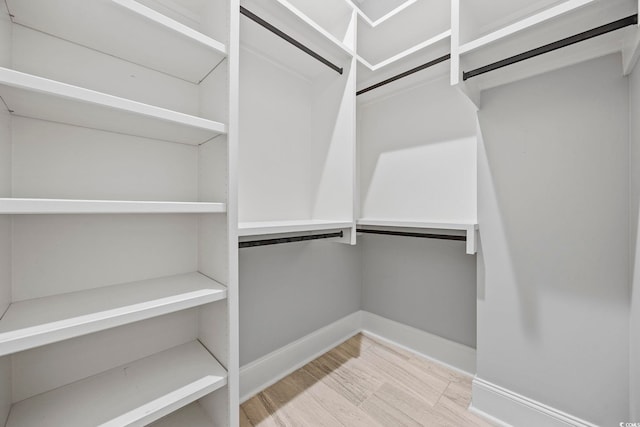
{"x": 510, "y": 408}
{"x": 269, "y": 369}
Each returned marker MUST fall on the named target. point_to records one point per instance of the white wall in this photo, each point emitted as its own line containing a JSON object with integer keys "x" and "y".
{"x": 553, "y": 309}
{"x": 290, "y": 290}
{"x": 634, "y": 200}
{"x": 424, "y": 283}
{"x": 417, "y": 155}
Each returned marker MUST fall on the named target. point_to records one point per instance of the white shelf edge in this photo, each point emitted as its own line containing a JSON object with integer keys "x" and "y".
{"x": 19, "y": 80}
{"x": 172, "y": 25}
{"x": 277, "y": 227}
{"x": 12, "y": 206}
{"x": 316, "y": 27}
{"x": 52, "y": 331}
{"x": 384, "y": 17}
{"x": 529, "y": 22}
{"x": 407, "y": 52}
{"x": 197, "y": 372}
{"x": 470, "y": 228}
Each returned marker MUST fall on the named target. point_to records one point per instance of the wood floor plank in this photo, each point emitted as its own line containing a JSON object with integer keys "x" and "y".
{"x": 355, "y": 345}
{"x": 259, "y": 414}
{"x": 387, "y": 414}
{"x": 458, "y": 416}
{"x": 292, "y": 403}
{"x": 353, "y": 382}
{"x": 365, "y": 383}
{"x": 346, "y": 412}
{"x": 402, "y": 371}
{"x": 244, "y": 420}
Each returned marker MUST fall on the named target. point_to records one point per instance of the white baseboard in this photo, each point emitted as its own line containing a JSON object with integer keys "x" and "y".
{"x": 514, "y": 409}
{"x": 455, "y": 355}
{"x": 269, "y": 369}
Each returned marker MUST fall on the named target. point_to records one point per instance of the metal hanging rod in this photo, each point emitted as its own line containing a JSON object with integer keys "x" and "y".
{"x": 405, "y": 74}
{"x": 408, "y": 234}
{"x": 586, "y": 35}
{"x": 290, "y": 39}
{"x": 266, "y": 242}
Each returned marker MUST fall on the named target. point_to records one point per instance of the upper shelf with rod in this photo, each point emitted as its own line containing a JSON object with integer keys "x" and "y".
{"x": 464, "y": 232}
{"x": 546, "y": 36}
{"x": 402, "y": 47}
{"x": 412, "y": 27}
{"x": 280, "y": 31}
{"x": 126, "y": 29}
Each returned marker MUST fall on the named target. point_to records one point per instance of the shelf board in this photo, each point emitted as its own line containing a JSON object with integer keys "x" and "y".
{"x": 292, "y": 226}
{"x": 125, "y": 29}
{"x": 296, "y": 24}
{"x": 35, "y": 322}
{"x": 531, "y": 21}
{"x": 470, "y": 228}
{"x": 36, "y": 97}
{"x": 374, "y": 22}
{"x": 62, "y": 206}
{"x": 191, "y": 415}
{"x": 134, "y": 394}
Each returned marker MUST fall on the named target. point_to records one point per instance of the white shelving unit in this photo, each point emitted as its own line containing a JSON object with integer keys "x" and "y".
{"x": 32, "y": 323}
{"x": 39, "y": 98}
{"x": 265, "y": 228}
{"x": 469, "y": 229}
{"x": 409, "y": 26}
{"x": 414, "y": 33}
{"x": 144, "y": 35}
{"x": 297, "y": 156}
{"x": 118, "y": 218}
{"x": 134, "y": 394}
{"x": 61, "y": 206}
{"x": 481, "y": 36}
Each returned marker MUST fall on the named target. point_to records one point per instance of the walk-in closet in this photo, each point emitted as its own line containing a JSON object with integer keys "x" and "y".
{"x": 348, "y": 213}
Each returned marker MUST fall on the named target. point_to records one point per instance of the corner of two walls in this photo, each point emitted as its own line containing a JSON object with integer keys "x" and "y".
{"x": 5, "y": 221}
{"x": 634, "y": 233}
{"x": 553, "y": 318}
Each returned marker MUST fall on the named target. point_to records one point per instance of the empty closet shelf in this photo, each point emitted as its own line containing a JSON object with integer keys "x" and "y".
{"x": 134, "y": 394}
{"x": 191, "y": 415}
{"x": 61, "y": 206}
{"x": 292, "y": 226}
{"x": 32, "y": 323}
{"x": 39, "y": 98}
{"x": 125, "y": 29}
{"x": 412, "y": 227}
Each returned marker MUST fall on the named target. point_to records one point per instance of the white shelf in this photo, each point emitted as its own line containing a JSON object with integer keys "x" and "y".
{"x": 135, "y": 394}
{"x": 40, "y": 98}
{"x": 469, "y": 228}
{"x": 31, "y": 323}
{"x": 190, "y": 416}
{"x": 296, "y": 24}
{"x": 536, "y": 19}
{"x": 125, "y": 29}
{"x": 293, "y": 226}
{"x": 526, "y": 31}
{"x": 62, "y": 206}
{"x": 374, "y": 22}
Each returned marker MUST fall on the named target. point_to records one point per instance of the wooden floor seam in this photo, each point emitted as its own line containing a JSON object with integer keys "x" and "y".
{"x": 365, "y": 383}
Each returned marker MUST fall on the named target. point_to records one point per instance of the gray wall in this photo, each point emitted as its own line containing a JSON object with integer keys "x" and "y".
{"x": 553, "y": 303}
{"x": 427, "y": 284}
{"x": 634, "y": 114}
{"x": 290, "y": 290}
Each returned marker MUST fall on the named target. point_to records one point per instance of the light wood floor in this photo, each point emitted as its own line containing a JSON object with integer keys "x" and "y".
{"x": 365, "y": 383}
